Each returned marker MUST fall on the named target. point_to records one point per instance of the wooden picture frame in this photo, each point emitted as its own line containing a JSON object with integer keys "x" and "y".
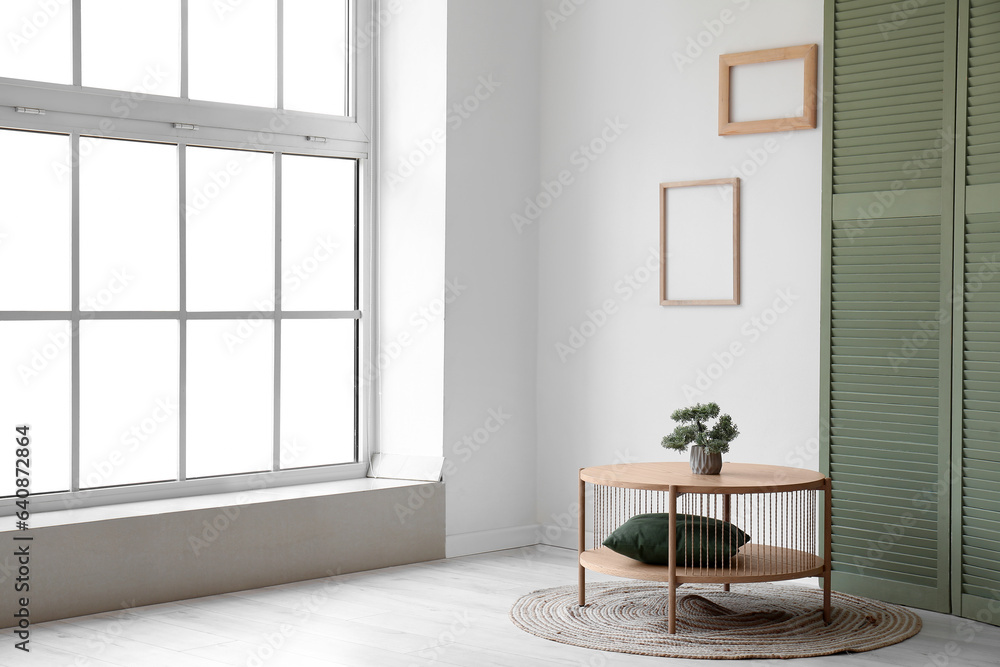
{"x": 807, "y": 121}
{"x": 723, "y": 255}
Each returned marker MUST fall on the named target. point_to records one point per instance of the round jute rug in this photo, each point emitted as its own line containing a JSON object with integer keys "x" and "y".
{"x": 751, "y": 621}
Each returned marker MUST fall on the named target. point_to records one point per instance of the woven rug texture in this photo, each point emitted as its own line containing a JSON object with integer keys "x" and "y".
{"x": 752, "y": 621}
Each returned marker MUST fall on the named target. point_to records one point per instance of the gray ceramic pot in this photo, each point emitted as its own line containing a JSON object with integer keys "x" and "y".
{"x": 705, "y": 463}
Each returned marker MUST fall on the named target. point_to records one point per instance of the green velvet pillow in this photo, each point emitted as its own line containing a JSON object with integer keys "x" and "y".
{"x": 701, "y": 541}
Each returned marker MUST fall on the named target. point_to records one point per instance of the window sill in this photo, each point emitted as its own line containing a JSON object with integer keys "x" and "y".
{"x": 212, "y": 501}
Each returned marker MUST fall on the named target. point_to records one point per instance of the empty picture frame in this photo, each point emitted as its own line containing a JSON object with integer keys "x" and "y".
{"x": 700, "y": 243}
{"x": 807, "y": 120}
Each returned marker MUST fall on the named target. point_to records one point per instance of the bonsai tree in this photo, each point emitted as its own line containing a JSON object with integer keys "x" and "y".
{"x": 693, "y": 429}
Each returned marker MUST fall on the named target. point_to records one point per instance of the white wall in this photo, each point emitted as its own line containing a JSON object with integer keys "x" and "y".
{"x": 491, "y": 333}
{"x": 534, "y": 81}
{"x": 614, "y": 61}
{"x": 412, "y": 88}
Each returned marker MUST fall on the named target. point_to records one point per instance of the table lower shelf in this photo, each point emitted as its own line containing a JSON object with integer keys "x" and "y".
{"x": 753, "y": 562}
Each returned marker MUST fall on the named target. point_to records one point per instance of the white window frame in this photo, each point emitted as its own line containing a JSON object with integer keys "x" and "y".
{"x": 79, "y": 111}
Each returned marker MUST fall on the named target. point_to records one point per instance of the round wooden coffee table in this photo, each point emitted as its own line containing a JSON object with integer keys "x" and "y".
{"x": 777, "y": 506}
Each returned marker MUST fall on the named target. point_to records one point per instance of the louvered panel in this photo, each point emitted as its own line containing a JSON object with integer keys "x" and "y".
{"x": 889, "y": 173}
{"x": 899, "y": 421}
{"x": 983, "y": 93}
{"x": 876, "y": 408}
{"x": 852, "y": 538}
{"x": 906, "y": 74}
{"x": 979, "y": 347}
{"x": 865, "y": 478}
{"x": 875, "y": 389}
{"x": 884, "y": 392}
{"x": 888, "y": 107}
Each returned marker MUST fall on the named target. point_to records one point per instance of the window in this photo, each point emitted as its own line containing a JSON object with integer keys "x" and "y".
{"x": 184, "y": 296}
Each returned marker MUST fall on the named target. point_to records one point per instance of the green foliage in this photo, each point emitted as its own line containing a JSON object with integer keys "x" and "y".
{"x": 693, "y": 429}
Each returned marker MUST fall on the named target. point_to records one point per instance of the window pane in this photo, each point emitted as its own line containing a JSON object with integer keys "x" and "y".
{"x": 128, "y": 225}
{"x": 37, "y": 40}
{"x": 230, "y": 230}
{"x": 35, "y": 227}
{"x": 129, "y": 402}
{"x": 148, "y": 32}
{"x": 230, "y": 397}
{"x": 317, "y": 392}
{"x": 315, "y": 56}
{"x": 35, "y": 390}
{"x": 317, "y": 232}
{"x": 233, "y": 51}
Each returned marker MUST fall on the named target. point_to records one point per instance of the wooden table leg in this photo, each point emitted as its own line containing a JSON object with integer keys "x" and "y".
{"x": 582, "y": 576}
{"x": 672, "y": 565}
{"x": 827, "y": 544}
{"x": 726, "y": 510}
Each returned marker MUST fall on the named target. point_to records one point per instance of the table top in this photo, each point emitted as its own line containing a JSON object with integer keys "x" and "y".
{"x": 734, "y": 478}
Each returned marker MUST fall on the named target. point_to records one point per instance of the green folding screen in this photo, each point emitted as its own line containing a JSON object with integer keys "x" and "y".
{"x": 976, "y": 424}
{"x": 911, "y": 313}
{"x": 889, "y": 80}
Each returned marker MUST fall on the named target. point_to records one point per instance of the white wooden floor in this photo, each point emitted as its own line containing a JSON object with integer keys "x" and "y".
{"x": 449, "y": 612}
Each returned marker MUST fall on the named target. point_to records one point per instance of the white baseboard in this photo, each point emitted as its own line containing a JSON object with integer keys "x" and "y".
{"x": 556, "y": 536}
{"x": 482, "y": 541}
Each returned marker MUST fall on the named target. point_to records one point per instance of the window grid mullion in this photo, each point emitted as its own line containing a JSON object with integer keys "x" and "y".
{"x": 77, "y": 43}
{"x": 184, "y": 95}
{"x": 349, "y": 84}
{"x": 276, "y": 419}
{"x": 182, "y": 305}
{"x": 280, "y": 50}
{"x": 74, "y": 148}
{"x": 357, "y": 305}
